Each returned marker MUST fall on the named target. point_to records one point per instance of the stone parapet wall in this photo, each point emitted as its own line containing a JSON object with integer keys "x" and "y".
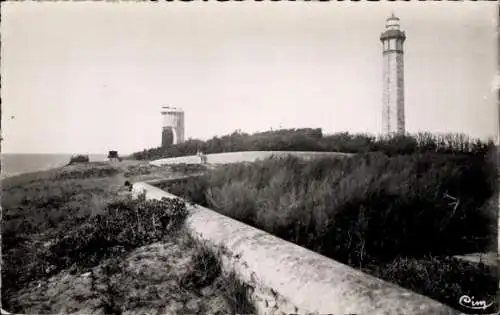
{"x": 286, "y": 278}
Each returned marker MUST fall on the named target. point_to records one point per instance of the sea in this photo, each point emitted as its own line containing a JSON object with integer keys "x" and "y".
{"x": 16, "y": 164}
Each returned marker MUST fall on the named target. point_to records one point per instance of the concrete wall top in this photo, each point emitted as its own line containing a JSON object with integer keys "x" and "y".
{"x": 301, "y": 281}
{"x": 244, "y": 156}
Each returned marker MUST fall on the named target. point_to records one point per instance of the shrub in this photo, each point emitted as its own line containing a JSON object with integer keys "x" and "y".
{"x": 94, "y": 170}
{"x": 41, "y": 206}
{"x": 79, "y": 159}
{"x": 319, "y": 202}
{"x": 203, "y": 269}
{"x": 444, "y": 279}
{"x": 107, "y": 286}
{"x": 206, "y": 268}
{"x": 138, "y": 170}
{"x": 367, "y": 210}
{"x": 236, "y": 293}
{"x": 123, "y": 225}
{"x": 188, "y": 169}
{"x": 112, "y": 281}
{"x": 192, "y": 189}
{"x": 308, "y": 139}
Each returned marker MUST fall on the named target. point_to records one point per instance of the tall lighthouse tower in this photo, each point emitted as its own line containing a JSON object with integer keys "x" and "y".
{"x": 393, "y": 107}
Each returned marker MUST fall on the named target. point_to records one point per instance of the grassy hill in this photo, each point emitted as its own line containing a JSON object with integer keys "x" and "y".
{"x": 74, "y": 241}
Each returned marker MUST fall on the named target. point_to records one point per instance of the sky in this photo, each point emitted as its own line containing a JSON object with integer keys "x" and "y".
{"x": 88, "y": 77}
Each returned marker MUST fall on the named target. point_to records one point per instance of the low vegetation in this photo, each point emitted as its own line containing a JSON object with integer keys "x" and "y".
{"x": 135, "y": 170}
{"x": 196, "y": 285}
{"x": 308, "y": 139}
{"x": 61, "y": 224}
{"x": 79, "y": 159}
{"x": 398, "y": 217}
{"x": 188, "y": 169}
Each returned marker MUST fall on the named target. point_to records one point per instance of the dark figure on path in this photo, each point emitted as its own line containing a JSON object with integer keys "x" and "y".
{"x": 128, "y": 185}
{"x": 203, "y": 157}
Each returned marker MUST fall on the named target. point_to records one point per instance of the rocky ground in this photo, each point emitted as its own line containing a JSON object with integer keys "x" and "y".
{"x": 170, "y": 277}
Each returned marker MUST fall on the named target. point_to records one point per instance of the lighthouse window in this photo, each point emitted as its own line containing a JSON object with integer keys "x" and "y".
{"x": 392, "y": 44}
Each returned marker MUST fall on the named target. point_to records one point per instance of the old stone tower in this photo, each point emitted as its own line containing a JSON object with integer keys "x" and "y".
{"x": 173, "y": 126}
{"x": 393, "y": 107}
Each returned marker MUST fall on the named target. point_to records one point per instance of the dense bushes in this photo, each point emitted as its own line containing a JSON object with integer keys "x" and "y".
{"x": 94, "y": 170}
{"x": 443, "y": 278}
{"x": 192, "y": 189}
{"x": 136, "y": 170}
{"x": 292, "y": 139}
{"x": 188, "y": 169}
{"x": 124, "y": 225}
{"x": 313, "y": 140}
{"x": 79, "y": 159}
{"x": 367, "y": 210}
{"x": 367, "y": 206}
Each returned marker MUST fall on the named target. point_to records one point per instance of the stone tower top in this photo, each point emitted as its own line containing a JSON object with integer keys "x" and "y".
{"x": 392, "y": 29}
{"x": 392, "y": 23}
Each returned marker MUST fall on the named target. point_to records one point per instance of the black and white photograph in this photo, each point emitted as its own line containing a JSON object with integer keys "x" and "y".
{"x": 249, "y": 157}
